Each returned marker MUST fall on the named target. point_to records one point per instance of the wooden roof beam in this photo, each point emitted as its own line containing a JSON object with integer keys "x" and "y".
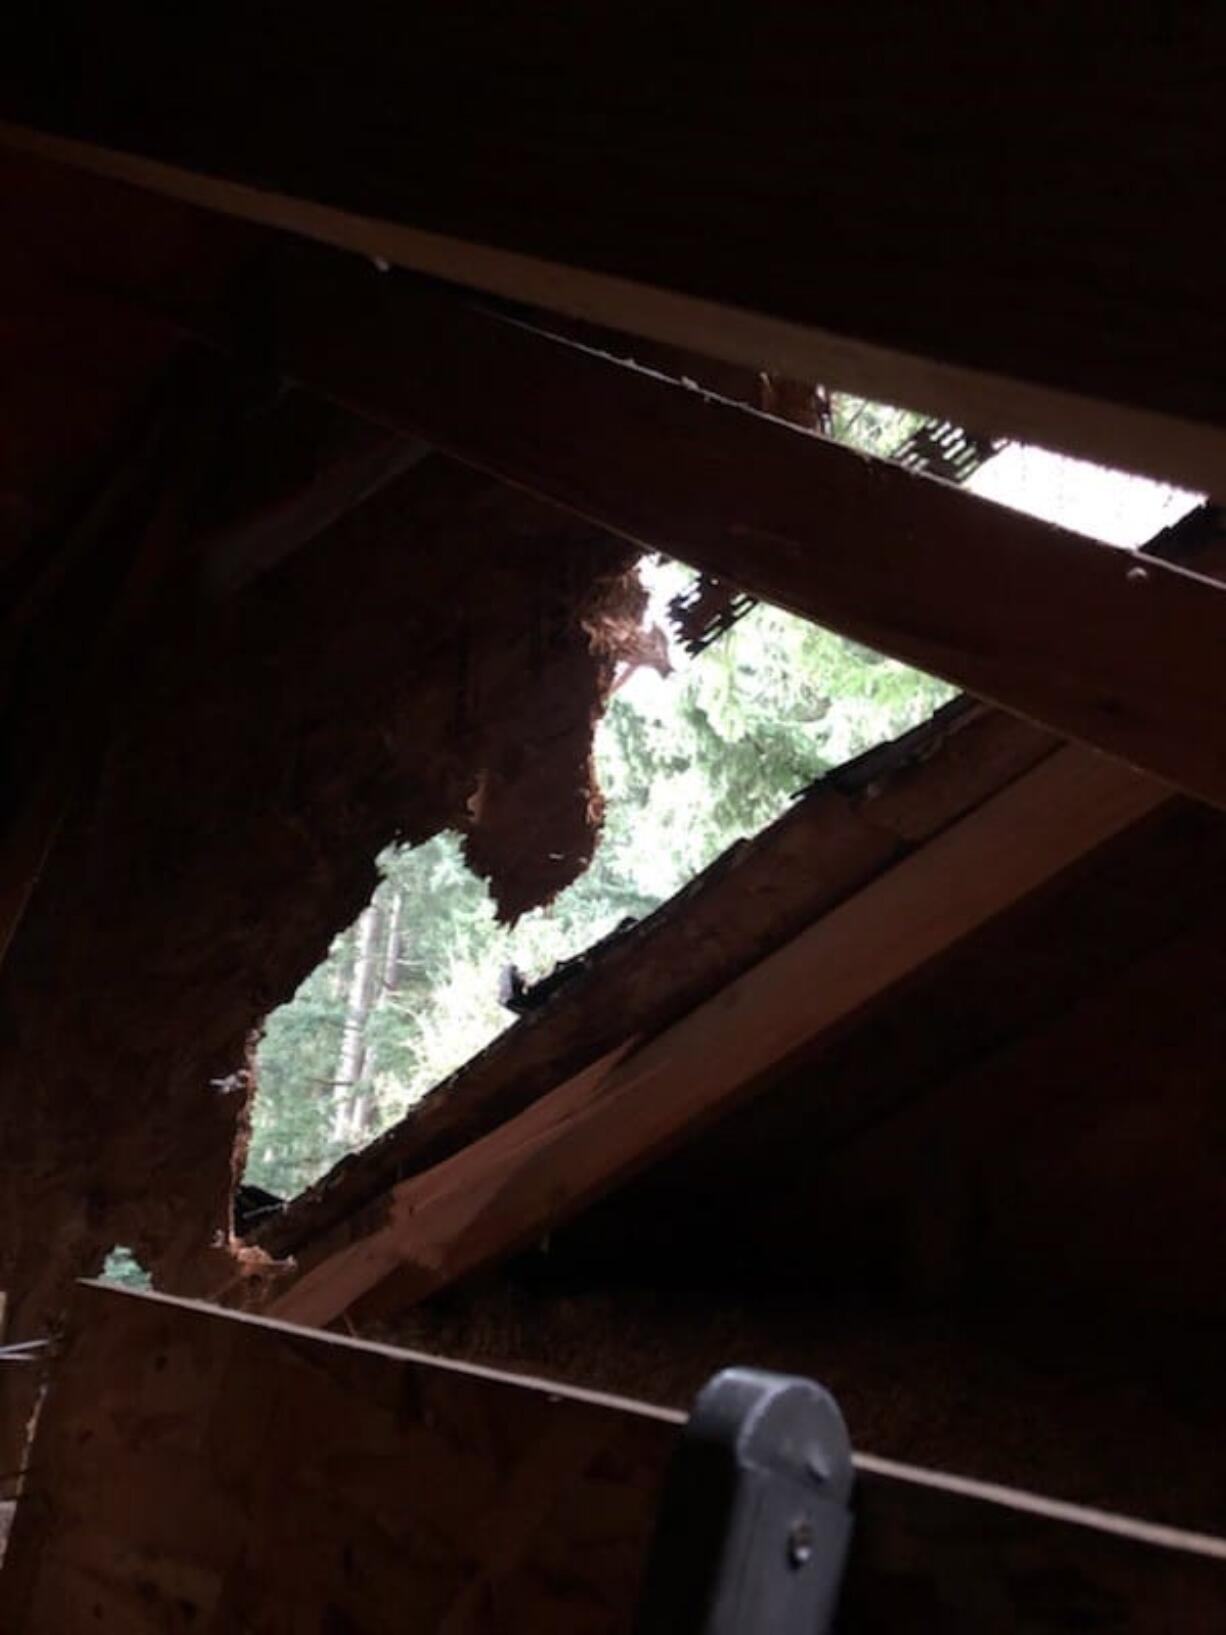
{"x": 1077, "y": 635}
{"x": 1016, "y": 237}
{"x": 139, "y": 514}
{"x": 633, "y": 1105}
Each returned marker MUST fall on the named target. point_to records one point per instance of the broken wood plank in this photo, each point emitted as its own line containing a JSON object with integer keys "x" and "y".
{"x": 203, "y": 1470}
{"x": 845, "y": 831}
{"x": 1065, "y": 630}
{"x": 594, "y": 1131}
{"x": 1004, "y": 238}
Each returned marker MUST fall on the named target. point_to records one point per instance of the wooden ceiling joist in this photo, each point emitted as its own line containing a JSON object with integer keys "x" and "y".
{"x": 627, "y": 1109}
{"x": 1016, "y": 238}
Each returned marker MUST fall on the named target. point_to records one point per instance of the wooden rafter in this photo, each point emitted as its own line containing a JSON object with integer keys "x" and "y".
{"x": 1070, "y": 632}
{"x": 629, "y": 1108}
{"x": 1017, "y": 237}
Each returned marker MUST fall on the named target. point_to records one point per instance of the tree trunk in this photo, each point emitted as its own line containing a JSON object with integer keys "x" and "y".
{"x": 391, "y": 956}
{"x": 354, "y": 1061}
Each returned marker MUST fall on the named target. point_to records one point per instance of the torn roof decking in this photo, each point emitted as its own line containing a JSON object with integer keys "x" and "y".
{"x": 867, "y": 888}
{"x": 200, "y": 759}
{"x": 855, "y": 824}
{"x": 752, "y": 898}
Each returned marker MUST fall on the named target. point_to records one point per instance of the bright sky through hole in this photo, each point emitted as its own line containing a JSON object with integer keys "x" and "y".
{"x": 1113, "y": 506}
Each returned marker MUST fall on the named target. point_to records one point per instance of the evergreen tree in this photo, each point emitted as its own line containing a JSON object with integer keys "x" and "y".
{"x": 688, "y": 764}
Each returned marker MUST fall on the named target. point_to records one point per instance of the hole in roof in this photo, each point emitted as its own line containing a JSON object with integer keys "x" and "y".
{"x": 122, "y": 1267}
{"x": 690, "y": 762}
{"x": 1117, "y": 507}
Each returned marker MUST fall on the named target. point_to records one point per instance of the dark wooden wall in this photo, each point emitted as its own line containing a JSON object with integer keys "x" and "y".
{"x": 199, "y": 1471}
{"x": 225, "y": 686}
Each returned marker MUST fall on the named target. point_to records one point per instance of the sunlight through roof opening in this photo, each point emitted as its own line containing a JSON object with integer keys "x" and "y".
{"x": 690, "y": 762}
{"x": 1114, "y": 506}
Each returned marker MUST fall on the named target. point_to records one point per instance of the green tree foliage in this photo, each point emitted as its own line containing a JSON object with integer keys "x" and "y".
{"x": 873, "y": 428}
{"x": 689, "y": 764}
{"x": 122, "y": 1267}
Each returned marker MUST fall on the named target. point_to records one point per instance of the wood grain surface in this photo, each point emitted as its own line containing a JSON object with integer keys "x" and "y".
{"x": 200, "y": 1471}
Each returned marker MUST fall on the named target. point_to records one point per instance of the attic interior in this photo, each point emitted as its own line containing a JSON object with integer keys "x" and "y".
{"x": 322, "y": 491}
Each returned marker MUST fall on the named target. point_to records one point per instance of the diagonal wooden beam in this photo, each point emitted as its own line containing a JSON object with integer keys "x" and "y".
{"x": 1015, "y": 236}
{"x": 1077, "y": 635}
{"x": 856, "y": 823}
{"x": 629, "y": 1108}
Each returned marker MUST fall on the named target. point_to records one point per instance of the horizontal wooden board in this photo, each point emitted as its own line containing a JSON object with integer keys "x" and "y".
{"x": 198, "y": 1471}
{"x": 1017, "y": 235}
